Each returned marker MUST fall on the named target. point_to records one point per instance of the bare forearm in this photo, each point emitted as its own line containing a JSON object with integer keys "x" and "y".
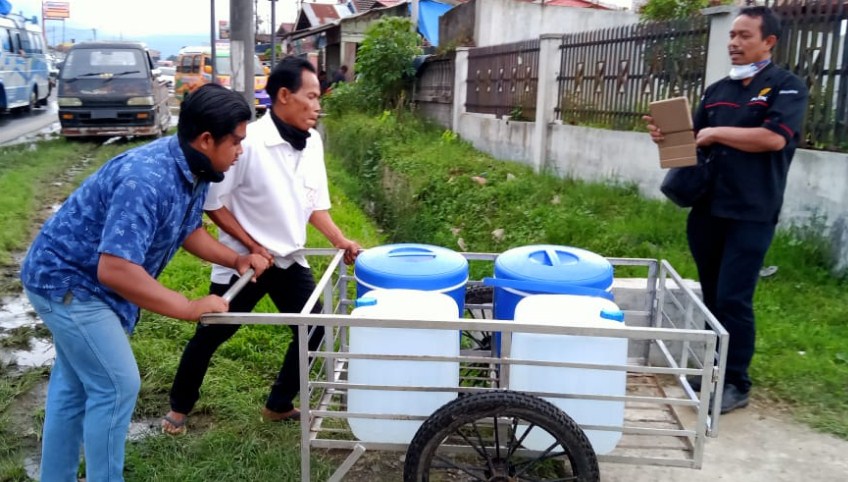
{"x": 225, "y": 220}
{"x": 201, "y": 244}
{"x": 747, "y": 139}
{"x": 325, "y": 224}
{"x": 134, "y": 284}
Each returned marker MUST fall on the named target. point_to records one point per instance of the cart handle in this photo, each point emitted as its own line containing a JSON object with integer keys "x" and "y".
{"x": 547, "y": 287}
{"x": 238, "y": 285}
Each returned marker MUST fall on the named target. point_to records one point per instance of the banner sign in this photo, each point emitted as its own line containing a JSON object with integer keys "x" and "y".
{"x": 56, "y": 10}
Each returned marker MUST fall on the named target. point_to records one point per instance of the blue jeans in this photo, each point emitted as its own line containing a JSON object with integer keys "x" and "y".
{"x": 92, "y": 391}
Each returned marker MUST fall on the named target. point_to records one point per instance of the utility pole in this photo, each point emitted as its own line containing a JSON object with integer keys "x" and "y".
{"x": 212, "y": 41}
{"x": 242, "y": 49}
{"x": 415, "y": 15}
{"x": 273, "y": 33}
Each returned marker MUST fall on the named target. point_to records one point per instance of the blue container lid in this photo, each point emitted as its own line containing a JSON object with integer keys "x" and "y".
{"x": 413, "y": 266}
{"x": 555, "y": 264}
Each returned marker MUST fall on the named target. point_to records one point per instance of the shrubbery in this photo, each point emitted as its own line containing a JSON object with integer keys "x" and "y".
{"x": 383, "y": 69}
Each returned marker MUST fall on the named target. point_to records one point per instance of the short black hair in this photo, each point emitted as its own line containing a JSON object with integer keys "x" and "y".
{"x": 287, "y": 73}
{"x": 214, "y": 109}
{"x": 770, "y": 24}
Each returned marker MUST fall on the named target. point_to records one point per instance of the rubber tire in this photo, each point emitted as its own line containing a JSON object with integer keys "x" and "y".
{"x": 463, "y": 410}
{"x": 33, "y": 101}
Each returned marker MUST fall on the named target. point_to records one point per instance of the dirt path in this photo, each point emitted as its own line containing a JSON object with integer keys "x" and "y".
{"x": 754, "y": 445}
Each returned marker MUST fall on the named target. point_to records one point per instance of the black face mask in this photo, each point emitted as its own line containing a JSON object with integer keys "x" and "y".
{"x": 199, "y": 164}
{"x": 295, "y": 137}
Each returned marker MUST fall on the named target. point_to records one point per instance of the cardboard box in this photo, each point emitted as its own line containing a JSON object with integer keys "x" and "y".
{"x": 674, "y": 118}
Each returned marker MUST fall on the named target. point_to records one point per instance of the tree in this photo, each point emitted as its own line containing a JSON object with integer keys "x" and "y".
{"x": 384, "y": 59}
{"x": 672, "y": 9}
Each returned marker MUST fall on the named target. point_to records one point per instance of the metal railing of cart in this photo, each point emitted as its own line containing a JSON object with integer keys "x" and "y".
{"x": 671, "y": 336}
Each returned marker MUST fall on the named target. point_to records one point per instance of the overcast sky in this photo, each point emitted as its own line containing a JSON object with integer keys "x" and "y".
{"x": 149, "y": 17}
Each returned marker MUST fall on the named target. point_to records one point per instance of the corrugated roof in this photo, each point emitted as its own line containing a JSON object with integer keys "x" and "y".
{"x": 322, "y": 13}
{"x": 364, "y": 5}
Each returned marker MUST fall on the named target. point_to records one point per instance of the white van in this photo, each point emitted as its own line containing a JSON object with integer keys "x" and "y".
{"x": 24, "y": 73}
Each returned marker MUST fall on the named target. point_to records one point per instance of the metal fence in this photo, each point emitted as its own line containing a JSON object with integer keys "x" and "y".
{"x": 503, "y": 79}
{"x": 814, "y": 46}
{"x": 435, "y": 83}
{"x": 608, "y": 77}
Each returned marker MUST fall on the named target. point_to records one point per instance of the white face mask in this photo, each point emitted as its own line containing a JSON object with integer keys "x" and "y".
{"x": 739, "y": 72}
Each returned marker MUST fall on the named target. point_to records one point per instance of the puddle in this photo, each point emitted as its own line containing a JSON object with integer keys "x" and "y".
{"x": 32, "y": 466}
{"x": 40, "y": 354}
{"x": 142, "y": 429}
{"x": 15, "y": 313}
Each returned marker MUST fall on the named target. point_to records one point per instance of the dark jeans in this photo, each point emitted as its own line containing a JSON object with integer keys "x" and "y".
{"x": 289, "y": 289}
{"x": 729, "y": 254}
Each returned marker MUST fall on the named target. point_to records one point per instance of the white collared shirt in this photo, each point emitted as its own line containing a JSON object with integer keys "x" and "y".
{"x": 272, "y": 191}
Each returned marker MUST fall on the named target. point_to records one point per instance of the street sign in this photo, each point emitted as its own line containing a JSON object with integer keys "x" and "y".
{"x": 56, "y": 10}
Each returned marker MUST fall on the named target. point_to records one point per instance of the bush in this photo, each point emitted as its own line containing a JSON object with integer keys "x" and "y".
{"x": 384, "y": 59}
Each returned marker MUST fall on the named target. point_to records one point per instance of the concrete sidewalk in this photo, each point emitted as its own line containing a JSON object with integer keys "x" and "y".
{"x": 754, "y": 445}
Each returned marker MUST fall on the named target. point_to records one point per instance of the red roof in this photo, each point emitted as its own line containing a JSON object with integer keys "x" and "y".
{"x": 324, "y": 13}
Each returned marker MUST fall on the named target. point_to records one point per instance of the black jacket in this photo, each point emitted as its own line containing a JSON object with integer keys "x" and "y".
{"x": 749, "y": 186}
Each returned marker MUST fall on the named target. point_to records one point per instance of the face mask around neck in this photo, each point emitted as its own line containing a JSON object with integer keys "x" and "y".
{"x": 740, "y": 72}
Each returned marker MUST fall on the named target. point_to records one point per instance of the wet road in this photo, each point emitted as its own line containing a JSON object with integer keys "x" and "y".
{"x": 21, "y": 126}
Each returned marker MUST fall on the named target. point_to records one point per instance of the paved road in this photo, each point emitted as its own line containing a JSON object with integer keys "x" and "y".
{"x": 17, "y": 126}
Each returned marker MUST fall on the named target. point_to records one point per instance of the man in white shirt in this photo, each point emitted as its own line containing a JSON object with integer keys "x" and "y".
{"x": 263, "y": 205}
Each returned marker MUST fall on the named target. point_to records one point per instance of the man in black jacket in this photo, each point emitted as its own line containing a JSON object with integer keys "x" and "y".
{"x": 748, "y": 124}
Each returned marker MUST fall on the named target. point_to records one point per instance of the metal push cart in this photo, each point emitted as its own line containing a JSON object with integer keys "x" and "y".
{"x": 671, "y": 337}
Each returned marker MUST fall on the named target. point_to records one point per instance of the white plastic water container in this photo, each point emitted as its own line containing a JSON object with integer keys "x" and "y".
{"x": 576, "y": 311}
{"x": 401, "y": 304}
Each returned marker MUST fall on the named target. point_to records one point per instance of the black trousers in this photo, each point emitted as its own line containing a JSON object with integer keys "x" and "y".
{"x": 289, "y": 290}
{"x": 729, "y": 254}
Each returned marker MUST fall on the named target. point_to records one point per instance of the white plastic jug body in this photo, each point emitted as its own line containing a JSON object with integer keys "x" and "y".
{"x": 578, "y": 311}
{"x": 401, "y": 304}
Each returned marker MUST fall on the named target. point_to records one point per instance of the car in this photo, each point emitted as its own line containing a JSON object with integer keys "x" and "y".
{"x": 111, "y": 89}
{"x": 167, "y": 74}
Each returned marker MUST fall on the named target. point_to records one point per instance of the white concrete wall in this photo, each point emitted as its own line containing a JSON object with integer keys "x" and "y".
{"x": 505, "y": 21}
{"x": 503, "y": 139}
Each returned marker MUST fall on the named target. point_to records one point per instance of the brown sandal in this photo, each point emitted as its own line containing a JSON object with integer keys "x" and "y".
{"x": 173, "y": 427}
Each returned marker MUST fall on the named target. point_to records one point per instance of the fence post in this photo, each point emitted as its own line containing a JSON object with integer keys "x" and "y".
{"x": 460, "y": 86}
{"x": 547, "y": 87}
{"x": 718, "y": 62}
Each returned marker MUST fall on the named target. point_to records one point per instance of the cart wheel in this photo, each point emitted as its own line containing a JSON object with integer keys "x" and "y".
{"x": 479, "y": 295}
{"x": 489, "y": 423}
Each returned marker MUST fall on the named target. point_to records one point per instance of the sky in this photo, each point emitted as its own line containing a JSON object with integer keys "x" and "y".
{"x": 135, "y": 18}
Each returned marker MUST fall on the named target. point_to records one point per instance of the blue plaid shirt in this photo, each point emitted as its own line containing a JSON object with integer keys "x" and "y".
{"x": 140, "y": 206}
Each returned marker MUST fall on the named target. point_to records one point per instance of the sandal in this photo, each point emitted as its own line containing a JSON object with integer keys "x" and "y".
{"x": 272, "y": 416}
{"x": 173, "y": 427}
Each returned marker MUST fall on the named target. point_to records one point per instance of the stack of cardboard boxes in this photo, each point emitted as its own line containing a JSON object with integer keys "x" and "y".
{"x": 674, "y": 119}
